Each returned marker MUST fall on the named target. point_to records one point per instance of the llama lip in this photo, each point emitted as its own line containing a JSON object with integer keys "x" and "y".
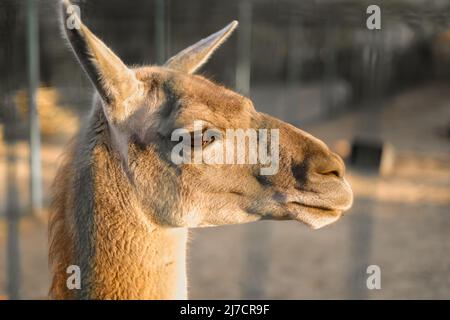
{"x": 314, "y": 217}
{"x": 341, "y": 199}
{"x": 339, "y": 202}
{"x": 316, "y": 207}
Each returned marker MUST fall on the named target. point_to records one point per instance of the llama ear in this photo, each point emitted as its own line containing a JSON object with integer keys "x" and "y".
{"x": 110, "y": 76}
{"x": 193, "y": 57}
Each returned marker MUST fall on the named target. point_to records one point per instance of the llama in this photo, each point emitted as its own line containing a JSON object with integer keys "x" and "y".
{"x": 121, "y": 208}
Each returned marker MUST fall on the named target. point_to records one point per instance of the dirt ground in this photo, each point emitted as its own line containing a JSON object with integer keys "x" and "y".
{"x": 399, "y": 222}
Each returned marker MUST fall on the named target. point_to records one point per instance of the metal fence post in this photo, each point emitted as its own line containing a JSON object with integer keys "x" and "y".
{"x": 160, "y": 32}
{"x": 243, "y": 69}
{"x": 33, "y": 82}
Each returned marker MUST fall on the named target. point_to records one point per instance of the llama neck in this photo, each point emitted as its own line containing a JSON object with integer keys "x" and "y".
{"x": 121, "y": 254}
{"x": 130, "y": 257}
{"x": 130, "y": 263}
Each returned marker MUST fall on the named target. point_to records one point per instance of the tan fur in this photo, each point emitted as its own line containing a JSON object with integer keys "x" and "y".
{"x": 60, "y": 234}
{"x": 121, "y": 207}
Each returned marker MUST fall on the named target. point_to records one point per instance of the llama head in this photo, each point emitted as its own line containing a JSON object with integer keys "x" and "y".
{"x": 198, "y": 154}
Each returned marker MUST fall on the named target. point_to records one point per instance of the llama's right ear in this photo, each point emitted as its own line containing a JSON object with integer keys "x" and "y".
{"x": 113, "y": 80}
{"x": 192, "y": 58}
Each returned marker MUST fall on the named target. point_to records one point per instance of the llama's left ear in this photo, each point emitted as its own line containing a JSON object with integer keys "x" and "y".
{"x": 193, "y": 57}
{"x": 113, "y": 80}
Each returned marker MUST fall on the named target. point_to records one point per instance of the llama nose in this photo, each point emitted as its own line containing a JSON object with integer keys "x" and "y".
{"x": 332, "y": 165}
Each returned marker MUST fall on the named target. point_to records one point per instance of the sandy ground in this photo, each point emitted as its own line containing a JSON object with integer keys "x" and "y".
{"x": 399, "y": 222}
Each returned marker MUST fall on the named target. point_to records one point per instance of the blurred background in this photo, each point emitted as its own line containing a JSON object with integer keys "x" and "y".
{"x": 380, "y": 98}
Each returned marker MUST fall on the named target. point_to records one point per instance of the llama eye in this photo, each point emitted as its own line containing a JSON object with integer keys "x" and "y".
{"x": 203, "y": 137}
{"x": 207, "y": 140}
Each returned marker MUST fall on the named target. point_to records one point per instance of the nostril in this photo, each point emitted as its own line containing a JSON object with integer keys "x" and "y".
{"x": 333, "y": 167}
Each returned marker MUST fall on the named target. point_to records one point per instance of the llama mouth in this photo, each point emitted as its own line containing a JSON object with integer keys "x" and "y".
{"x": 341, "y": 199}
{"x": 315, "y": 217}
